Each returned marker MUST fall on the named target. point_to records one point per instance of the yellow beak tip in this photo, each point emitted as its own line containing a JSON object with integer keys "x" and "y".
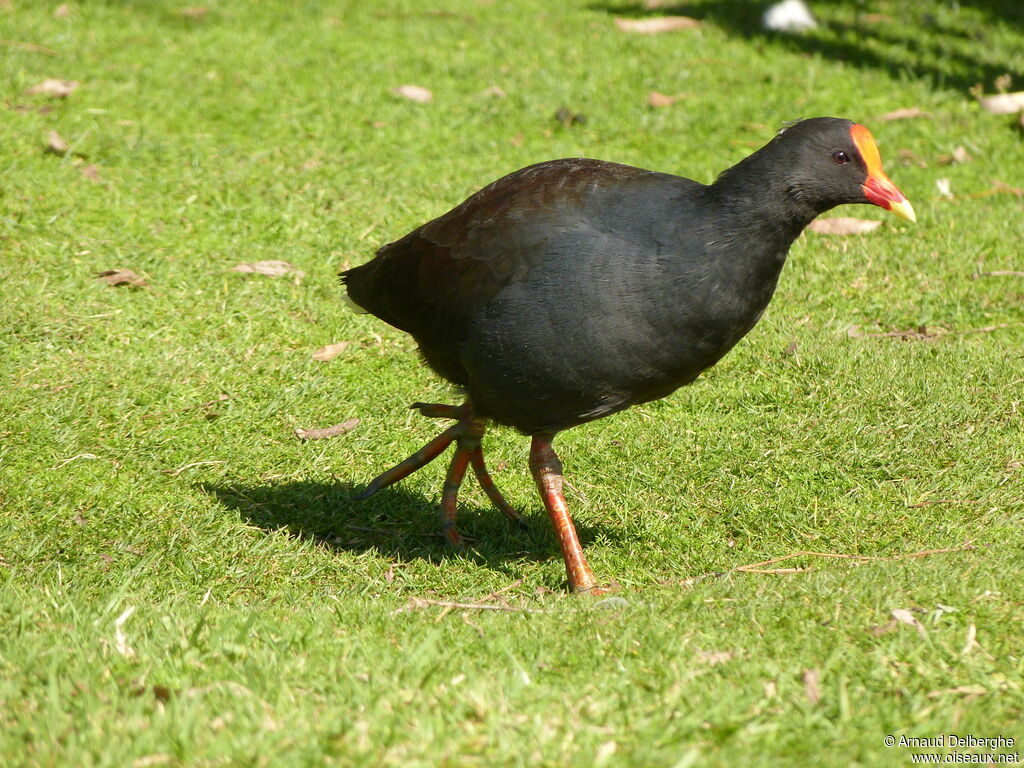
{"x": 904, "y": 210}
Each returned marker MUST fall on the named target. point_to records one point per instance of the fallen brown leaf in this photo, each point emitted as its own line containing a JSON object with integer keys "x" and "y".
{"x": 844, "y": 225}
{"x": 568, "y": 118}
{"x": 42, "y": 109}
{"x": 271, "y": 268}
{"x": 999, "y": 273}
{"x": 319, "y": 433}
{"x": 55, "y": 144}
{"x": 121, "y": 277}
{"x": 495, "y": 91}
{"x": 972, "y": 640}
{"x": 925, "y": 333}
{"x": 330, "y": 351}
{"x": 883, "y": 629}
{"x": 907, "y": 157}
{"x": 656, "y": 25}
{"x": 958, "y": 155}
{"x": 62, "y": 11}
{"x": 34, "y": 47}
{"x": 656, "y": 99}
{"x": 812, "y": 685}
{"x": 713, "y": 658}
{"x": 960, "y": 690}
{"x": 907, "y": 113}
{"x": 54, "y": 88}
{"x": 1003, "y": 103}
{"x": 415, "y": 93}
{"x": 194, "y": 13}
{"x": 90, "y": 172}
{"x": 421, "y": 602}
{"x": 903, "y": 616}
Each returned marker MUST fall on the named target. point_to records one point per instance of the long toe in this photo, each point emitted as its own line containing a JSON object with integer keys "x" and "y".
{"x": 476, "y": 457}
{"x": 421, "y": 458}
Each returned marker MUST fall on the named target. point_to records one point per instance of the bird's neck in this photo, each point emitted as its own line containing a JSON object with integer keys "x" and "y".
{"x": 760, "y": 200}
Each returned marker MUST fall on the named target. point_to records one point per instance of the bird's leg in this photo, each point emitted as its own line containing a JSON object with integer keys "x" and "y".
{"x": 476, "y": 458}
{"x": 450, "y": 495}
{"x": 547, "y": 472}
{"x": 466, "y": 434}
{"x": 421, "y": 458}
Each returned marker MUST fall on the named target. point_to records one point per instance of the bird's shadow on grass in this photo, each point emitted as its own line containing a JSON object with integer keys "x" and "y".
{"x": 393, "y": 522}
{"x": 934, "y": 57}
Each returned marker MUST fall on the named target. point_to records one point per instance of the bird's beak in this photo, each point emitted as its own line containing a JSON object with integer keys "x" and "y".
{"x": 878, "y": 188}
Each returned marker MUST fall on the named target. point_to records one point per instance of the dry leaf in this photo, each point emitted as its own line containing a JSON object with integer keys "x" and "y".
{"x": 330, "y": 351}
{"x": 656, "y": 99}
{"x": 883, "y": 629}
{"x": 319, "y": 433}
{"x": 493, "y": 90}
{"x": 958, "y": 155}
{"x": 960, "y": 690}
{"x": 844, "y": 225}
{"x": 121, "y": 277}
{"x": 90, "y": 172}
{"x": 120, "y": 641}
{"x": 907, "y": 157}
{"x": 62, "y": 11}
{"x": 812, "y": 687}
{"x": 194, "y": 13}
{"x": 52, "y": 87}
{"x": 1003, "y": 103}
{"x": 56, "y": 144}
{"x": 271, "y": 268}
{"x": 713, "y": 658}
{"x": 414, "y": 93}
{"x": 906, "y": 113}
{"x": 656, "y": 25}
{"x": 972, "y": 640}
{"x": 903, "y": 616}
{"x": 568, "y": 118}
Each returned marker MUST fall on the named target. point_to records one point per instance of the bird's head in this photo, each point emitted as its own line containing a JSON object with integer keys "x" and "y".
{"x": 837, "y": 161}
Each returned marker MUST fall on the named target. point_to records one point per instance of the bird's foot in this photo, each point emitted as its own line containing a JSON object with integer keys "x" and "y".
{"x": 466, "y": 433}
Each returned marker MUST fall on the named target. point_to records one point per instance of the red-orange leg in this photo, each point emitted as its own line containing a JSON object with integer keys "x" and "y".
{"x": 421, "y": 458}
{"x": 547, "y": 472}
{"x": 467, "y": 434}
{"x": 450, "y": 496}
{"x": 487, "y": 483}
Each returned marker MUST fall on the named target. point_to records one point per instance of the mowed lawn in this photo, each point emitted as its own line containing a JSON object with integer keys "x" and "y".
{"x": 183, "y": 582}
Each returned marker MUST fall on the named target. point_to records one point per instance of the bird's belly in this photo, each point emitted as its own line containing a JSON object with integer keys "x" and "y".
{"x": 540, "y": 379}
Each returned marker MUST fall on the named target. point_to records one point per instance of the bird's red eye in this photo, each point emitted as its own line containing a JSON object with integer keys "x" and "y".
{"x": 840, "y": 158}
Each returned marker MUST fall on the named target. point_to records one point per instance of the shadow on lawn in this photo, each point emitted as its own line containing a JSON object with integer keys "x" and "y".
{"x": 932, "y": 56}
{"x": 393, "y": 521}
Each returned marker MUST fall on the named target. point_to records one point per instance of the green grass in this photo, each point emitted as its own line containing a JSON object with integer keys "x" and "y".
{"x": 147, "y": 453}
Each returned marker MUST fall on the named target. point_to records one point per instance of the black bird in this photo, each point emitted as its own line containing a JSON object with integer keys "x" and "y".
{"x": 572, "y": 289}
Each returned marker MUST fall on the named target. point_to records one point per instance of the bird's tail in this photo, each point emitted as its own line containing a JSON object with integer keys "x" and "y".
{"x": 346, "y": 299}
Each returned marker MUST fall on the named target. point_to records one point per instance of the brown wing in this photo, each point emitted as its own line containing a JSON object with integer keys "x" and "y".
{"x": 447, "y": 269}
